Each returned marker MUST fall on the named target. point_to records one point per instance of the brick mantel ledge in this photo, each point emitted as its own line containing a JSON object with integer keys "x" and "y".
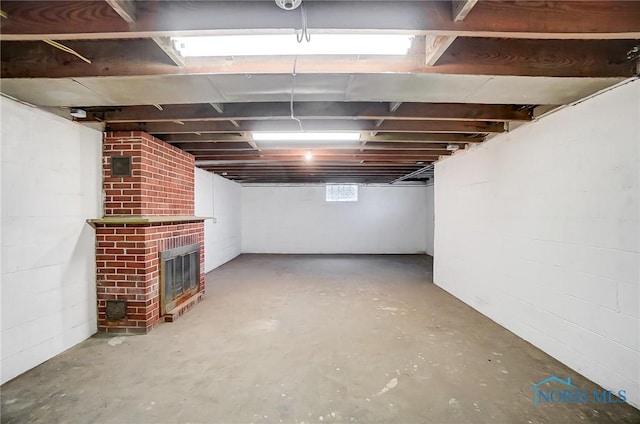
{"x": 141, "y": 220}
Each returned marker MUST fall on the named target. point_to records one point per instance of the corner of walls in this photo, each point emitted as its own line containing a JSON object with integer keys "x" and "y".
{"x": 430, "y": 224}
{"x": 219, "y": 198}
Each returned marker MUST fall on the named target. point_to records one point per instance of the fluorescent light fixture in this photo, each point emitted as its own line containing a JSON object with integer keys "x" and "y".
{"x": 306, "y": 136}
{"x": 287, "y": 45}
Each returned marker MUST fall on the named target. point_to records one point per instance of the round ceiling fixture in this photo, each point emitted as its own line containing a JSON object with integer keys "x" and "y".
{"x": 288, "y": 4}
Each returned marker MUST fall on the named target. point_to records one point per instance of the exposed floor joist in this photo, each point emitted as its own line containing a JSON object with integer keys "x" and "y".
{"x": 475, "y": 69}
{"x": 466, "y": 56}
{"x": 312, "y": 110}
{"x": 64, "y": 20}
{"x": 427, "y": 126}
{"x": 385, "y": 138}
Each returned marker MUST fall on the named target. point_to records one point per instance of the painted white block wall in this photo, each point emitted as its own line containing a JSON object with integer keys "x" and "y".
{"x": 218, "y": 197}
{"x": 51, "y": 183}
{"x": 297, "y": 219}
{"x": 539, "y": 230}
{"x": 430, "y": 219}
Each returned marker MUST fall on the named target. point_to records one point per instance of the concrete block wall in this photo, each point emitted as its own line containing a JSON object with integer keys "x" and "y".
{"x": 539, "y": 230}
{"x": 298, "y": 219}
{"x": 430, "y": 219}
{"x": 219, "y": 198}
{"x": 50, "y": 171}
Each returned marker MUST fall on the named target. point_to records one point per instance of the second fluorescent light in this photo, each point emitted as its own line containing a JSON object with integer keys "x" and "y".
{"x": 287, "y": 45}
{"x": 306, "y": 136}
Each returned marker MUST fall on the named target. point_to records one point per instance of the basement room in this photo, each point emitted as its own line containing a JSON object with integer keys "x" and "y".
{"x": 320, "y": 211}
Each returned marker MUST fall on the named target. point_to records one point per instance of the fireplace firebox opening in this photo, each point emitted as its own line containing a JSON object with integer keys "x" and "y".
{"x": 179, "y": 276}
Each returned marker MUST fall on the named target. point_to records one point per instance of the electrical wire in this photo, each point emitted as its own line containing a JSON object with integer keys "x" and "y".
{"x": 303, "y": 36}
{"x": 293, "y": 89}
{"x": 304, "y": 32}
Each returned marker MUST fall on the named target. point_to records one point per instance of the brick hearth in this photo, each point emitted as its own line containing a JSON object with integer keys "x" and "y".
{"x": 145, "y": 213}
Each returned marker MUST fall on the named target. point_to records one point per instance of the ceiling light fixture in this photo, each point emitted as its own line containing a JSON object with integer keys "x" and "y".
{"x": 288, "y": 4}
{"x": 287, "y": 45}
{"x": 306, "y": 136}
{"x": 452, "y": 147}
{"x": 309, "y": 155}
{"x": 78, "y": 113}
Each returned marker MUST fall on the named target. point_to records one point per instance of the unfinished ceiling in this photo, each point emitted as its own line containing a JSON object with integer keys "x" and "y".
{"x": 473, "y": 69}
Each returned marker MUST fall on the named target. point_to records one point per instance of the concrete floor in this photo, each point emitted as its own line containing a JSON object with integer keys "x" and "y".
{"x": 311, "y": 339}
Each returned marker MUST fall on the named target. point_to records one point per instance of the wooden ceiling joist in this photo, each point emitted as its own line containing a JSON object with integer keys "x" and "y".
{"x": 321, "y": 152}
{"x": 485, "y": 51}
{"x": 352, "y": 157}
{"x": 127, "y": 11}
{"x": 165, "y": 44}
{"x": 461, "y": 8}
{"x": 64, "y": 20}
{"x": 195, "y": 147}
{"x": 482, "y": 56}
{"x": 406, "y": 138}
{"x": 436, "y": 45}
{"x": 422, "y": 126}
{"x": 311, "y": 110}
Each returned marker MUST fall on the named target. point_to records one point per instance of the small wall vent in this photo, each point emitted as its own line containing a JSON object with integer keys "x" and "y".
{"x": 116, "y": 310}
{"x": 120, "y": 166}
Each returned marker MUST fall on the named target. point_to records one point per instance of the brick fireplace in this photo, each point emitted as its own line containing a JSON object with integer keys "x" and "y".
{"x": 148, "y": 211}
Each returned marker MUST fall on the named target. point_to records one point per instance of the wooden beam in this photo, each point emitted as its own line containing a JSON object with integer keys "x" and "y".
{"x": 218, "y": 107}
{"x": 311, "y": 110}
{"x": 544, "y": 58}
{"x": 422, "y": 126}
{"x": 292, "y": 160}
{"x": 35, "y": 20}
{"x": 167, "y": 47}
{"x": 214, "y": 146}
{"x": 437, "y": 126}
{"x": 461, "y": 8}
{"x": 127, "y": 11}
{"x": 435, "y": 47}
{"x": 409, "y": 146}
{"x": 564, "y": 56}
{"x": 198, "y": 152}
{"x": 125, "y": 8}
{"x": 203, "y": 138}
{"x": 300, "y": 157}
{"x": 425, "y": 138}
{"x": 393, "y": 106}
{"x": 319, "y": 166}
{"x": 403, "y": 138}
{"x": 318, "y": 179}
